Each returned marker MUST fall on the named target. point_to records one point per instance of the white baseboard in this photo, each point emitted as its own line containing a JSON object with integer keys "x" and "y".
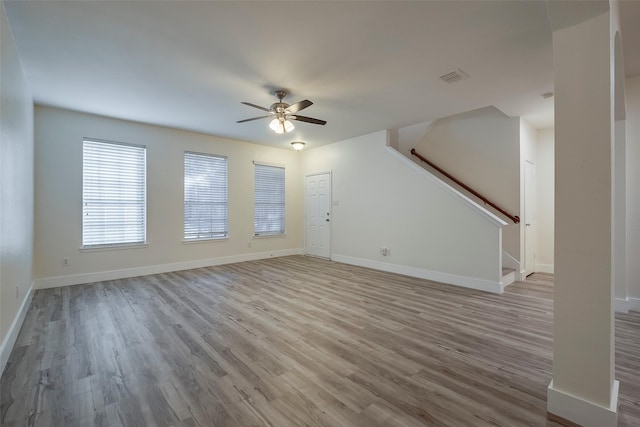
{"x": 624, "y": 305}
{"x": 77, "y": 279}
{"x": 621, "y": 305}
{"x": 14, "y": 329}
{"x": 544, "y": 268}
{"x": 583, "y": 412}
{"x": 450, "y": 279}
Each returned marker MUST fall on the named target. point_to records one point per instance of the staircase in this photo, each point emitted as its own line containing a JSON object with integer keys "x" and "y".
{"x": 508, "y": 274}
{"x": 402, "y": 144}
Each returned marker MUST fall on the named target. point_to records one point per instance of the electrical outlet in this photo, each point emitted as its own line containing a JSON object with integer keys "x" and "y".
{"x": 384, "y": 251}
{"x": 65, "y": 261}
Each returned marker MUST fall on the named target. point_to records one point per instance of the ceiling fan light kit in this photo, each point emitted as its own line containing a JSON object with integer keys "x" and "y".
{"x": 282, "y": 113}
{"x": 288, "y": 126}
{"x": 281, "y": 125}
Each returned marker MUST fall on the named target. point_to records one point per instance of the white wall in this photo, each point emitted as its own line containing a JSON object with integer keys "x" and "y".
{"x": 16, "y": 190}
{"x": 58, "y": 195}
{"x": 382, "y": 199}
{"x": 633, "y": 190}
{"x": 481, "y": 148}
{"x": 545, "y": 200}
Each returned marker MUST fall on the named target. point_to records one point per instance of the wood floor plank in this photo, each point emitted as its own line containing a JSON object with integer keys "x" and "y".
{"x": 288, "y": 342}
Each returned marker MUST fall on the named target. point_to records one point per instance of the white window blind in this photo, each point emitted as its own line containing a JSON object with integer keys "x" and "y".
{"x": 113, "y": 193}
{"x": 205, "y": 196}
{"x": 269, "y": 200}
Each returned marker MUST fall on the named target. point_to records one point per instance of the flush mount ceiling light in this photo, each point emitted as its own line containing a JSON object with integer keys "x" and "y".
{"x": 297, "y": 145}
{"x": 282, "y": 113}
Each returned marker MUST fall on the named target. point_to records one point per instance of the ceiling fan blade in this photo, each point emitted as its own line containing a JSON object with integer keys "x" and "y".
{"x": 255, "y": 106}
{"x": 254, "y": 118}
{"x": 308, "y": 120}
{"x": 299, "y": 106}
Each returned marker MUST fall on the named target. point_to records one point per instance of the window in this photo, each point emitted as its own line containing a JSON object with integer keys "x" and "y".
{"x": 113, "y": 193}
{"x": 205, "y": 196}
{"x": 269, "y": 200}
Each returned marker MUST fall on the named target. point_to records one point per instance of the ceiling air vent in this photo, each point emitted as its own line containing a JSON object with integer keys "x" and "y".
{"x": 454, "y": 76}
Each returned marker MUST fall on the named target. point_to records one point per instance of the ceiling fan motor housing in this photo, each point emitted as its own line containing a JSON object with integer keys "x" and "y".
{"x": 278, "y": 107}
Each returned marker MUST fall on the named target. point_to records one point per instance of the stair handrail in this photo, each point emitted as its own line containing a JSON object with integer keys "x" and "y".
{"x": 514, "y": 218}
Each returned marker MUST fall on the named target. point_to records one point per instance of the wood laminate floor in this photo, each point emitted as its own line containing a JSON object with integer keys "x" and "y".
{"x": 292, "y": 341}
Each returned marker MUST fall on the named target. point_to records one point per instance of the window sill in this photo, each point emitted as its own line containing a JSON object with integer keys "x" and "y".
{"x": 116, "y": 247}
{"x": 207, "y": 240}
{"x": 268, "y": 236}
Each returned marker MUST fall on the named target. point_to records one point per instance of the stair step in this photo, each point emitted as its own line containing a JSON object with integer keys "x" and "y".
{"x": 506, "y": 271}
{"x": 508, "y": 276}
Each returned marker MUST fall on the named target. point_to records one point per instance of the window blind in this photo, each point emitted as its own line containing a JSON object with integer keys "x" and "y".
{"x": 113, "y": 193}
{"x": 269, "y": 200}
{"x": 205, "y": 196}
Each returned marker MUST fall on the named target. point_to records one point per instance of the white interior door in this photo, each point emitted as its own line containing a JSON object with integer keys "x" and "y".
{"x": 318, "y": 215}
{"x": 529, "y": 217}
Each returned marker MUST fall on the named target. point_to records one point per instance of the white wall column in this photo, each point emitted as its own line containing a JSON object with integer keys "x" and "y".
{"x": 633, "y": 191}
{"x": 583, "y": 389}
{"x": 620, "y": 219}
{"x": 619, "y": 171}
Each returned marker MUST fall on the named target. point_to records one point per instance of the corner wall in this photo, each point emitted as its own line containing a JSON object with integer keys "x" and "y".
{"x": 58, "y": 200}
{"x": 16, "y": 192}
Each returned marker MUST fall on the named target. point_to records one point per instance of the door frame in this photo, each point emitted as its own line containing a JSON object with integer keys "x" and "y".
{"x": 530, "y": 189}
{"x": 330, "y": 173}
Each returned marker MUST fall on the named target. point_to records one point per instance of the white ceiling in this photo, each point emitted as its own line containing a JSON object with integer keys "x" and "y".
{"x": 367, "y": 66}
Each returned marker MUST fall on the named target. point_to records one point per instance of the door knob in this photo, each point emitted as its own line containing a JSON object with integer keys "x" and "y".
{"x": 327, "y": 219}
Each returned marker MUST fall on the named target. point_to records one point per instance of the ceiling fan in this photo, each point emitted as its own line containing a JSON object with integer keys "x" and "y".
{"x": 282, "y": 114}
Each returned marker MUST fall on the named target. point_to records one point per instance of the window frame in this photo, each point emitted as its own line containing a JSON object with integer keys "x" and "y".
{"x": 123, "y": 244}
{"x": 282, "y": 230}
{"x": 225, "y": 234}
